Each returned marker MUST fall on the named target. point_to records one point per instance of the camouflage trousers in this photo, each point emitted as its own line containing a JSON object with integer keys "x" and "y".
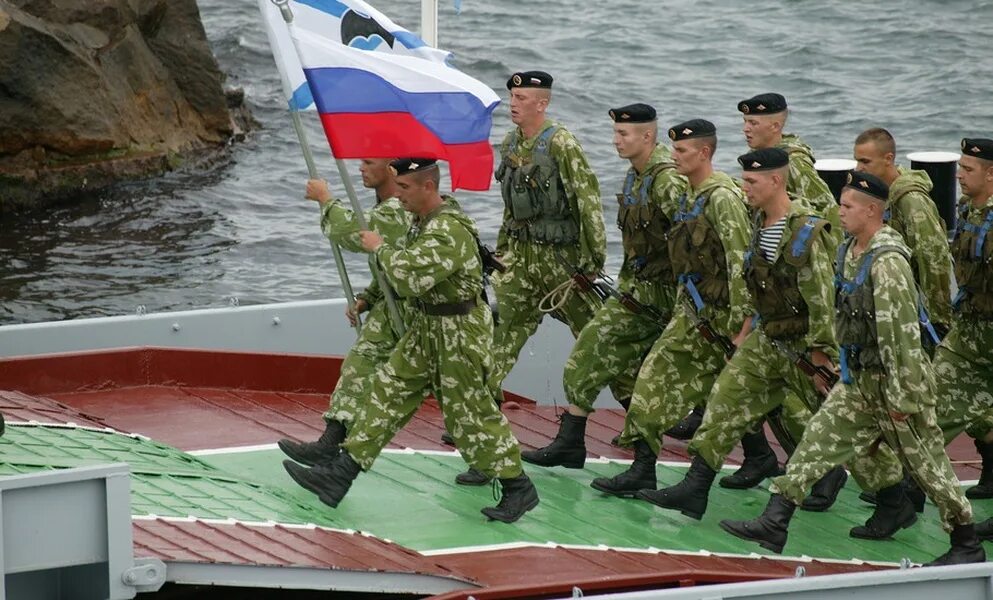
{"x": 609, "y": 350}
{"x": 963, "y": 374}
{"x": 754, "y": 382}
{"x": 677, "y": 375}
{"x": 372, "y": 348}
{"x": 532, "y": 271}
{"x": 448, "y": 356}
{"x": 853, "y": 420}
{"x": 758, "y": 379}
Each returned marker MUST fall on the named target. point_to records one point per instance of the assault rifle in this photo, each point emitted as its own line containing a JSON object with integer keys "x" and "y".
{"x": 712, "y": 335}
{"x": 803, "y": 363}
{"x": 489, "y": 259}
{"x": 603, "y": 290}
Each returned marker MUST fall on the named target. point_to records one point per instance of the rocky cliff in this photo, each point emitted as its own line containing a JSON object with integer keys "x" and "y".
{"x": 96, "y": 91}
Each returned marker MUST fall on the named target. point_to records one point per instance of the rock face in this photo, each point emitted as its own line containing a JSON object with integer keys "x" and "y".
{"x": 95, "y": 91}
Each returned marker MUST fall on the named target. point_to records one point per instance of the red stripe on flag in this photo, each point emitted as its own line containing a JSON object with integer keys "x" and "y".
{"x": 400, "y": 135}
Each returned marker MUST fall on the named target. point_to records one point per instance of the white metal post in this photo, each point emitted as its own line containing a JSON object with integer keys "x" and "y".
{"x": 429, "y": 22}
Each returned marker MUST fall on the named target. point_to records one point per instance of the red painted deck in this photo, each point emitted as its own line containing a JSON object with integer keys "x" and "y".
{"x": 195, "y": 400}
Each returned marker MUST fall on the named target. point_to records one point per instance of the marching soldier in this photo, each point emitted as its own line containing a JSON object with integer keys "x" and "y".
{"x": 610, "y": 347}
{"x": 886, "y": 389}
{"x": 706, "y": 248}
{"x": 377, "y": 338}
{"x": 445, "y": 351}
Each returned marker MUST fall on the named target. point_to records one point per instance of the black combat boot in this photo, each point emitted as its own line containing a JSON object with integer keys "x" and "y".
{"x": 447, "y": 439}
{"x": 983, "y": 489}
{"x": 914, "y": 492}
{"x": 312, "y": 453}
{"x": 965, "y": 548}
{"x": 330, "y": 480}
{"x": 760, "y": 462}
{"x": 472, "y": 477}
{"x": 894, "y": 511}
{"x": 769, "y": 529}
{"x": 984, "y": 530}
{"x": 689, "y": 496}
{"x": 568, "y": 449}
{"x": 685, "y": 429}
{"x": 639, "y": 476}
{"x": 519, "y": 496}
{"x": 825, "y": 491}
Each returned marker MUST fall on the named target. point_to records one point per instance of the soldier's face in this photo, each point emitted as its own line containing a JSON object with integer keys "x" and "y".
{"x": 760, "y": 187}
{"x": 871, "y": 159}
{"x": 375, "y": 171}
{"x": 688, "y": 156}
{"x": 856, "y": 211}
{"x": 527, "y": 105}
{"x": 974, "y": 175}
{"x": 412, "y": 193}
{"x": 760, "y": 131}
{"x": 631, "y": 139}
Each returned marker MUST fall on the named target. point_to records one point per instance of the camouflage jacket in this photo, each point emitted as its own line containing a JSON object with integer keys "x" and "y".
{"x": 803, "y": 181}
{"x": 666, "y": 188}
{"x": 908, "y": 381}
{"x": 814, "y": 280}
{"x": 439, "y": 261}
{"x": 387, "y": 218}
{"x": 725, "y": 209}
{"x": 580, "y": 186}
{"x": 914, "y": 215}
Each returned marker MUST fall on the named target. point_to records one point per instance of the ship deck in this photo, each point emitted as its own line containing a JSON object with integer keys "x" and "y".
{"x": 211, "y": 499}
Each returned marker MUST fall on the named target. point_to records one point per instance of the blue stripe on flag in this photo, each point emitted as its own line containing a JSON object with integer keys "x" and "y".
{"x": 455, "y": 117}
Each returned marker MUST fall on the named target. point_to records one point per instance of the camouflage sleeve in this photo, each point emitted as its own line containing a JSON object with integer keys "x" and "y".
{"x": 726, "y": 210}
{"x": 666, "y": 189}
{"x": 924, "y": 232}
{"x": 583, "y": 191}
{"x": 339, "y": 225}
{"x": 501, "y": 243}
{"x": 373, "y": 293}
{"x": 816, "y": 283}
{"x": 439, "y": 251}
{"x": 908, "y": 381}
{"x": 804, "y": 182}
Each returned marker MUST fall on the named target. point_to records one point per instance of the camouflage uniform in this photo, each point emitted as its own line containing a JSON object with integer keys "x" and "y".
{"x": 446, "y": 355}
{"x": 610, "y": 347}
{"x": 681, "y": 367}
{"x": 856, "y": 415}
{"x": 377, "y": 338}
{"x": 914, "y": 216}
{"x": 533, "y": 269}
{"x": 804, "y": 182}
{"x": 755, "y": 379}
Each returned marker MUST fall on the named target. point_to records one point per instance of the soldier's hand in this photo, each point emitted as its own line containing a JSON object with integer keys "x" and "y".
{"x": 371, "y": 240}
{"x": 353, "y": 312}
{"x": 821, "y": 359}
{"x": 899, "y": 416}
{"x": 317, "y": 189}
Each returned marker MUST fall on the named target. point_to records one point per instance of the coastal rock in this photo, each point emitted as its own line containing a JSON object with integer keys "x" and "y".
{"x": 99, "y": 91}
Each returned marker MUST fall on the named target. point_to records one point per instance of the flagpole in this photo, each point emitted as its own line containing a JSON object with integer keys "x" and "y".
{"x": 429, "y": 22}
{"x": 339, "y": 260}
{"x": 384, "y": 284}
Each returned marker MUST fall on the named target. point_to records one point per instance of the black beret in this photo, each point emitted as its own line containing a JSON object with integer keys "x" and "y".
{"x": 978, "y": 147}
{"x": 868, "y": 184}
{"x": 530, "y": 79}
{"x": 404, "y": 166}
{"x": 764, "y": 159}
{"x": 694, "y": 128}
{"x": 632, "y": 113}
{"x": 763, "y": 104}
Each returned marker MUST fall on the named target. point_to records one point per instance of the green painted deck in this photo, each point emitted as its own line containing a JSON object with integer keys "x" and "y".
{"x": 410, "y": 498}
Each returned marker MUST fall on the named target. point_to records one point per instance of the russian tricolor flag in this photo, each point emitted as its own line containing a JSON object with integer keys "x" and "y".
{"x": 382, "y": 93}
